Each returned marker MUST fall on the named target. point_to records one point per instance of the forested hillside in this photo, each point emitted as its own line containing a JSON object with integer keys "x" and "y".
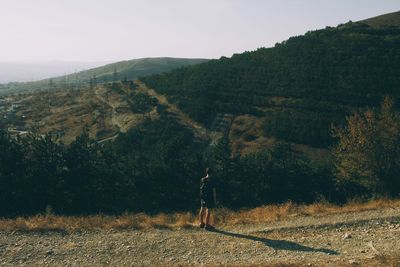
{"x": 299, "y": 87}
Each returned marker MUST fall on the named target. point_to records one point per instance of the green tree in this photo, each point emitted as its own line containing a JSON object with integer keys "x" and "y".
{"x": 367, "y": 155}
{"x": 12, "y": 175}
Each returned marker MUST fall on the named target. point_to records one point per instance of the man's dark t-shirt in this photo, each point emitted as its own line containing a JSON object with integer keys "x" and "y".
{"x": 206, "y": 191}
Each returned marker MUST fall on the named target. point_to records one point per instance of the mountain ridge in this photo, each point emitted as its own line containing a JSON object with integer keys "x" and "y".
{"x": 121, "y": 70}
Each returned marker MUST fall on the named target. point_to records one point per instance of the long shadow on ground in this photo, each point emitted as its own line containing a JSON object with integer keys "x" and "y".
{"x": 277, "y": 244}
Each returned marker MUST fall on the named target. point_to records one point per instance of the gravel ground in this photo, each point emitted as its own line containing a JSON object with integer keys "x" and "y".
{"x": 332, "y": 240}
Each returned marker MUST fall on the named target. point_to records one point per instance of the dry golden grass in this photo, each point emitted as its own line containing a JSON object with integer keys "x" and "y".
{"x": 383, "y": 260}
{"x": 270, "y": 213}
{"x": 224, "y": 217}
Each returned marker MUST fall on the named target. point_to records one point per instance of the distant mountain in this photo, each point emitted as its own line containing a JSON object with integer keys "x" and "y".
{"x": 391, "y": 19}
{"x": 31, "y": 71}
{"x": 130, "y": 69}
{"x": 295, "y": 90}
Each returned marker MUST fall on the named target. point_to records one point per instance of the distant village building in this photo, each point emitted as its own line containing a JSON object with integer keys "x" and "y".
{"x": 15, "y": 106}
{"x": 14, "y": 132}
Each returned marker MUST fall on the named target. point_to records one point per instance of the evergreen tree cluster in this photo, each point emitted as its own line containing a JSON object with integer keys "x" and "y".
{"x": 155, "y": 167}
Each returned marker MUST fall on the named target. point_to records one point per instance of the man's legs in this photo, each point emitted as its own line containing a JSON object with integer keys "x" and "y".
{"x": 208, "y": 213}
{"x": 201, "y": 215}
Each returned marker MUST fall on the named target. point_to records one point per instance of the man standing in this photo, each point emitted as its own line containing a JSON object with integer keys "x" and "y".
{"x": 208, "y": 198}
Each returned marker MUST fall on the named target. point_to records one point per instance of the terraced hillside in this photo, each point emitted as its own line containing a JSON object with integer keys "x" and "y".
{"x": 104, "y": 111}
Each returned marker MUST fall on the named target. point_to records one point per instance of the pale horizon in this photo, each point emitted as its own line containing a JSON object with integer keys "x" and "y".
{"x": 107, "y": 31}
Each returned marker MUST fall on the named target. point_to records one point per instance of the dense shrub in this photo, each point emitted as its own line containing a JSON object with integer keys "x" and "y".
{"x": 367, "y": 155}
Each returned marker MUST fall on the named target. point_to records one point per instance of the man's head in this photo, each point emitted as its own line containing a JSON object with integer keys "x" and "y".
{"x": 208, "y": 171}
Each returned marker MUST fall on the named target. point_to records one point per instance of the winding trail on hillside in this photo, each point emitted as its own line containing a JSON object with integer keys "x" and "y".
{"x": 114, "y": 112}
{"x": 113, "y": 108}
{"x": 198, "y": 130}
{"x": 326, "y": 240}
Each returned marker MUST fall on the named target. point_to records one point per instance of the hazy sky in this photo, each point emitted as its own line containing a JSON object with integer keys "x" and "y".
{"x": 98, "y": 30}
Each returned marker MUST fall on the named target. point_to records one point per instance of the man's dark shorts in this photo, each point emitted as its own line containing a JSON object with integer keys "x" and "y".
{"x": 207, "y": 203}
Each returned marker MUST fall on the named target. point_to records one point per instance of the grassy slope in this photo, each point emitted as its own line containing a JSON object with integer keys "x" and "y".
{"x": 391, "y": 19}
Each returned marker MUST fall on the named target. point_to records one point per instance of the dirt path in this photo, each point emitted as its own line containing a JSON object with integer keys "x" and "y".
{"x": 198, "y": 129}
{"x": 102, "y": 99}
{"x": 334, "y": 240}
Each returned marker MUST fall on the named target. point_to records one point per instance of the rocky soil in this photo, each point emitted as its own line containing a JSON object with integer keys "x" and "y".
{"x": 355, "y": 238}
